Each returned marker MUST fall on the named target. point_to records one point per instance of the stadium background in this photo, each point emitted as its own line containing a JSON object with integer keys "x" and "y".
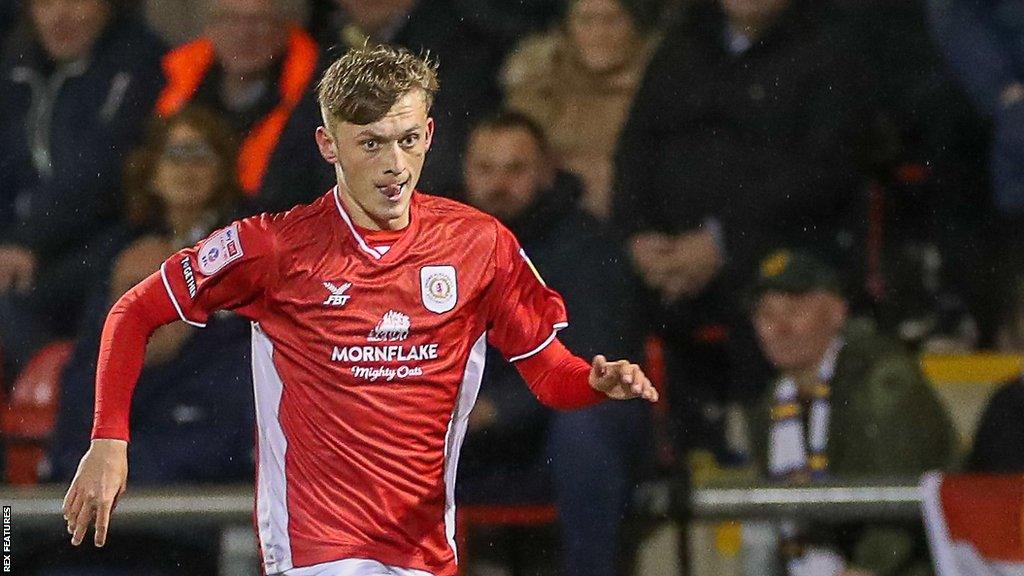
{"x": 885, "y": 137}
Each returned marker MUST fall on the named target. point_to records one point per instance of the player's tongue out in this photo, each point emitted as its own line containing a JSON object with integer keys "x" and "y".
{"x": 391, "y": 191}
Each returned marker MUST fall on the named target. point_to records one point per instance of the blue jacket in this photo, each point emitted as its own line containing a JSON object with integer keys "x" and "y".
{"x": 65, "y": 132}
{"x": 984, "y": 42}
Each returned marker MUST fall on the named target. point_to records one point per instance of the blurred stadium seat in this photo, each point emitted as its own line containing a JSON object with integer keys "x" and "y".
{"x": 29, "y": 417}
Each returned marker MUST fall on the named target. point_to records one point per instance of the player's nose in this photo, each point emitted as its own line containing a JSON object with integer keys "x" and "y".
{"x": 394, "y": 161}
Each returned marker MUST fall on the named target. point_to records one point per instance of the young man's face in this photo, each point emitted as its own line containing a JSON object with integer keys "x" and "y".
{"x": 379, "y": 164}
{"x": 505, "y": 169}
{"x": 795, "y": 330}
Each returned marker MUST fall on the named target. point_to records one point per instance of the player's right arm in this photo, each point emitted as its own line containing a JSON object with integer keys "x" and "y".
{"x": 230, "y": 270}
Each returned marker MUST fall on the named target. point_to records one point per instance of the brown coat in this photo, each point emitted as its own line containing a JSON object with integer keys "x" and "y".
{"x": 582, "y": 112}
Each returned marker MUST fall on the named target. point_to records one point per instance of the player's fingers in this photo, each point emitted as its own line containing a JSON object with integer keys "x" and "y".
{"x": 650, "y": 393}
{"x": 75, "y": 509}
{"x": 82, "y": 522}
{"x": 69, "y": 498}
{"x": 597, "y": 366}
{"x": 102, "y": 522}
{"x": 627, "y": 374}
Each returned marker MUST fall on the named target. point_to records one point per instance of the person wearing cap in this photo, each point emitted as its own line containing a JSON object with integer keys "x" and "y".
{"x": 849, "y": 403}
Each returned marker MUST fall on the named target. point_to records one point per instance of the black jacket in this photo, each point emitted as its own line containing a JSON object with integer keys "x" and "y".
{"x": 59, "y": 188}
{"x": 760, "y": 141}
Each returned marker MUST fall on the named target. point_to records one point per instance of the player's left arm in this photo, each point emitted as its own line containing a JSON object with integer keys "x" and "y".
{"x": 564, "y": 381}
{"x": 522, "y": 312}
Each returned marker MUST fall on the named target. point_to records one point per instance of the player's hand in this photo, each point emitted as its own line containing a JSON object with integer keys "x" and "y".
{"x": 17, "y": 269}
{"x": 101, "y": 478}
{"x": 621, "y": 380}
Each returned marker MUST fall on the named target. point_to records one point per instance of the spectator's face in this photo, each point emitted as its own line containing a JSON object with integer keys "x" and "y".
{"x": 247, "y": 35}
{"x": 67, "y": 29}
{"x": 379, "y": 164}
{"x": 795, "y": 330}
{"x": 753, "y": 10}
{"x": 373, "y": 15}
{"x": 505, "y": 169}
{"x": 188, "y": 171}
{"x": 603, "y": 32}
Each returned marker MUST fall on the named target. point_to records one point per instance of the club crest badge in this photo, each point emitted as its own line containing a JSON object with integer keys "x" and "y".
{"x": 439, "y": 288}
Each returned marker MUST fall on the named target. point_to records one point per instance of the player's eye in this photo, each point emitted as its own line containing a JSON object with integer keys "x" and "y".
{"x": 370, "y": 145}
{"x": 409, "y": 141}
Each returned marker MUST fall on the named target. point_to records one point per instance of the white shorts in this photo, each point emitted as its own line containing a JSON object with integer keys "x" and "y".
{"x": 353, "y": 567}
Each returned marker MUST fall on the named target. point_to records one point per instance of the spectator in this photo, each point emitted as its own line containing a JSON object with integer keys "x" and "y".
{"x": 194, "y": 397}
{"x": 256, "y": 68}
{"x": 510, "y": 173}
{"x": 468, "y": 58}
{"x": 983, "y": 41}
{"x": 76, "y": 83}
{"x": 848, "y": 404}
{"x": 181, "y": 21}
{"x": 578, "y": 81}
{"x": 181, "y": 186}
{"x": 738, "y": 140}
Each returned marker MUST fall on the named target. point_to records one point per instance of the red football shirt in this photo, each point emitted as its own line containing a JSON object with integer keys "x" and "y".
{"x": 365, "y": 366}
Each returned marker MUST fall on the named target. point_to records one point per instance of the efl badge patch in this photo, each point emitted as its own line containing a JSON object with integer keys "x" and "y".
{"x": 439, "y": 288}
{"x": 220, "y": 250}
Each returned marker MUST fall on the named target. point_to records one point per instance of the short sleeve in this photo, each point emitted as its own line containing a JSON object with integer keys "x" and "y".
{"x": 229, "y": 270}
{"x": 524, "y": 314}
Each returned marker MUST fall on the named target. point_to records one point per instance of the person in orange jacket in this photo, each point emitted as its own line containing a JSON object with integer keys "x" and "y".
{"x": 256, "y": 67}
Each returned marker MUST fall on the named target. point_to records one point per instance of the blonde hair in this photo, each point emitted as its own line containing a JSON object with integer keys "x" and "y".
{"x": 361, "y": 86}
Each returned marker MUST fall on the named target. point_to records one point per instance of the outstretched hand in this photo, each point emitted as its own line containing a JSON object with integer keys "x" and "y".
{"x": 102, "y": 477}
{"x": 621, "y": 380}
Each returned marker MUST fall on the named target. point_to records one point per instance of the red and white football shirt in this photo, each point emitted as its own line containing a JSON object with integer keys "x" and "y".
{"x": 366, "y": 366}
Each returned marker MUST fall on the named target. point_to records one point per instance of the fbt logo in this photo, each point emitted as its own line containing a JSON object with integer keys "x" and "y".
{"x": 338, "y": 296}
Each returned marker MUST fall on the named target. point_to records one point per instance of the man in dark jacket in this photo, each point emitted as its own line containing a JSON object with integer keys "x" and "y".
{"x": 75, "y": 88}
{"x": 469, "y": 59}
{"x": 737, "y": 142}
{"x": 594, "y": 460}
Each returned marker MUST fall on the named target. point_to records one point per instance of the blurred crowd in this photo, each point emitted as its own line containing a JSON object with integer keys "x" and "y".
{"x": 777, "y": 204}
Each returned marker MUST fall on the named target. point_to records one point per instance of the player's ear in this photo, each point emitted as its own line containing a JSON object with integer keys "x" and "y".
{"x": 325, "y": 143}
{"x": 429, "y": 136}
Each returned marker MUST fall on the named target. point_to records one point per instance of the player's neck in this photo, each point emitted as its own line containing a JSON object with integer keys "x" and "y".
{"x": 362, "y": 219}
